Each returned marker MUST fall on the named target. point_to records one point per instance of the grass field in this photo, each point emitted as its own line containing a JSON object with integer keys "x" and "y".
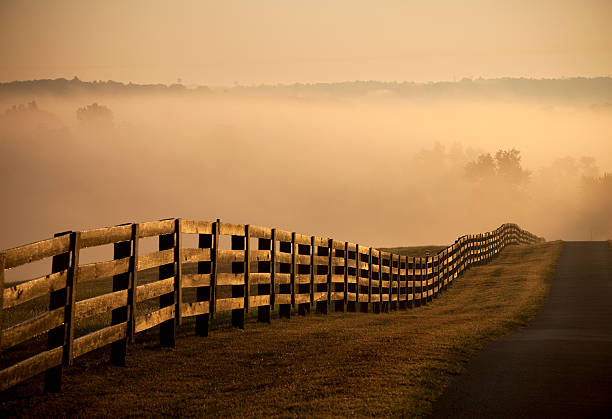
{"x": 349, "y": 364}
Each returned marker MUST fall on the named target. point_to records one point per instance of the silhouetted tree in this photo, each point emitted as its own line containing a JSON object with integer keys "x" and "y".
{"x": 505, "y": 167}
{"x": 95, "y": 114}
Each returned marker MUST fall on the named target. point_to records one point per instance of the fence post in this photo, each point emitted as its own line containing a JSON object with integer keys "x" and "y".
{"x": 1, "y": 297}
{"x": 352, "y": 306}
{"x": 366, "y": 307}
{"x": 312, "y": 273}
{"x": 119, "y": 315}
{"x": 133, "y": 282}
{"x": 205, "y": 241}
{"x": 272, "y": 270}
{"x": 215, "y": 268}
{"x": 56, "y": 336}
{"x": 167, "y": 328}
{"x": 247, "y": 266}
{"x": 330, "y": 247}
{"x": 345, "y": 289}
{"x": 178, "y": 277}
{"x": 239, "y": 243}
{"x": 293, "y": 268}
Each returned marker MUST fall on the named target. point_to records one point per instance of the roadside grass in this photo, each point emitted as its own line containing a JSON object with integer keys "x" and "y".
{"x": 340, "y": 364}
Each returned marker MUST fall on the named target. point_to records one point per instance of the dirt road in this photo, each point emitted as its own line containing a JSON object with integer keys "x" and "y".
{"x": 561, "y": 364}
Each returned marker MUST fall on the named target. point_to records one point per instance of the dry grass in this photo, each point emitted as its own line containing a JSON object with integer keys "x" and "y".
{"x": 393, "y": 364}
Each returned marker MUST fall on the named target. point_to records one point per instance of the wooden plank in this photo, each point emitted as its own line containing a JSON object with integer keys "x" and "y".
{"x": 282, "y": 257}
{"x": 259, "y": 232}
{"x": 259, "y": 300}
{"x": 34, "y": 288}
{"x": 226, "y": 279}
{"x": 228, "y": 229}
{"x": 302, "y": 259}
{"x": 283, "y": 236}
{"x": 30, "y": 367}
{"x": 155, "y": 259}
{"x": 196, "y": 227}
{"x": 282, "y": 298}
{"x": 154, "y": 318}
{"x": 337, "y": 278}
{"x": 337, "y": 296}
{"x": 259, "y": 278}
{"x": 35, "y": 251}
{"x": 106, "y": 269}
{"x": 196, "y": 280}
{"x": 302, "y": 298}
{"x": 227, "y": 304}
{"x": 154, "y": 289}
{"x": 351, "y": 296}
{"x": 99, "y": 338}
{"x": 301, "y": 278}
{"x": 229, "y": 256}
{"x": 100, "y": 304}
{"x": 30, "y": 328}
{"x": 105, "y": 235}
{"x": 302, "y": 239}
{"x": 195, "y": 308}
{"x": 156, "y": 228}
{"x": 321, "y": 242}
{"x": 319, "y": 279}
{"x": 260, "y": 255}
{"x": 191, "y": 255}
{"x": 282, "y": 278}
{"x": 320, "y": 296}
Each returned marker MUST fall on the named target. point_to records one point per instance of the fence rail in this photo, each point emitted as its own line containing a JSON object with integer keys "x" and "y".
{"x": 285, "y": 271}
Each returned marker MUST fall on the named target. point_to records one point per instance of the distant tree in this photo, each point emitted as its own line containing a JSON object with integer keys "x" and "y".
{"x": 95, "y": 114}
{"x": 509, "y": 167}
{"x": 505, "y": 167}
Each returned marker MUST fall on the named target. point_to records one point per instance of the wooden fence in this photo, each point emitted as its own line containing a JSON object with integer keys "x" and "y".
{"x": 285, "y": 271}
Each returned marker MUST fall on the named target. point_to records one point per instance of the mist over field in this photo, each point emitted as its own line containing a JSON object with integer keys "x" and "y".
{"x": 373, "y": 167}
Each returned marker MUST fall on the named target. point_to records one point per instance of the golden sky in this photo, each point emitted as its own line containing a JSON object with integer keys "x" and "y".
{"x": 285, "y": 41}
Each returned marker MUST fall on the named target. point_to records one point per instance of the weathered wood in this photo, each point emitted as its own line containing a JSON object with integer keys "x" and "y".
{"x": 196, "y": 227}
{"x": 226, "y": 256}
{"x": 195, "y": 308}
{"x": 247, "y": 266}
{"x": 227, "y": 304}
{"x": 259, "y": 300}
{"x": 196, "y": 280}
{"x": 106, "y": 235}
{"x": 259, "y": 232}
{"x": 133, "y": 282}
{"x": 100, "y": 304}
{"x": 167, "y": 329}
{"x": 156, "y": 259}
{"x": 99, "y": 338}
{"x": 191, "y": 255}
{"x": 26, "y": 291}
{"x": 57, "y": 336}
{"x": 35, "y": 251}
{"x": 156, "y": 228}
{"x": 228, "y": 229}
{"x": 256, "y": 278}
{"x": 106, "y": 269}
{"x": 283, "y": 236}
{"x": 178, "y": 277}
{"x": 154, "y": 318}
{"x": 32, "y": 327}
{"x": 154, "y": 289}
{"x": 215, "y": 269}
{"x": 30, "y": 367}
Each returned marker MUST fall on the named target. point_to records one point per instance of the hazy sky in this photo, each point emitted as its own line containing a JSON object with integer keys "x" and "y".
{"x": 267, "y": 41}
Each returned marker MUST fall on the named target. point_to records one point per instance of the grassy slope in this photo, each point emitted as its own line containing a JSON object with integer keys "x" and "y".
{"x": 339, "y": 364}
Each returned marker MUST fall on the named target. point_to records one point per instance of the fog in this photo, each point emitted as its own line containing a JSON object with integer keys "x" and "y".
{"x": 376, "y": 169}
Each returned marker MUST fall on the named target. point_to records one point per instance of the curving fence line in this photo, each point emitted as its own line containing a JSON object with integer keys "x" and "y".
{"x": 262, "y": 270}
